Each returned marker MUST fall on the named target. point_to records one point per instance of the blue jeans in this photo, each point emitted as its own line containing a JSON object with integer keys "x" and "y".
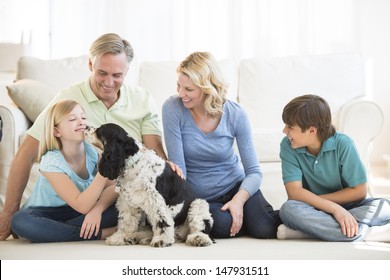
{"x": 303, "y": 217}
{"x": 56, "y": 224}
{"x": 260, "y": 219}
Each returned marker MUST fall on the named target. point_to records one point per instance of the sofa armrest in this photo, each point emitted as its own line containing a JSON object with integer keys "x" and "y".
{"x": 14, "y": 125}
{"x": 362, "y": 120}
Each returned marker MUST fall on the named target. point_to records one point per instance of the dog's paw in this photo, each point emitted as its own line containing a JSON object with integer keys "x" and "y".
{"x": 198, "y": 239}
{"x": 144, "y": 236}
{"x": 116, "y": 240}
{"x": 128, "y": 240}
{"x": 133, "y": 240}
{"x": 159, "y": 241}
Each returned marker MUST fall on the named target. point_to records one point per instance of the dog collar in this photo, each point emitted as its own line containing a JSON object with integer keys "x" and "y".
{"x": 131, "y": 161}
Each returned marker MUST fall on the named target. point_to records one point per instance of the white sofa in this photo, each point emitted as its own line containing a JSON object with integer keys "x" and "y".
{"x": 264, "y": 86}
{"x": 261, "y": 86}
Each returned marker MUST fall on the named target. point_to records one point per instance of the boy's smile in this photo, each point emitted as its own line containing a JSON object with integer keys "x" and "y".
{"x": 299, "y": 138}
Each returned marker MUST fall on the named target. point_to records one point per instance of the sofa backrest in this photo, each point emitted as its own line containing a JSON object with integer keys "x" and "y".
{"x": 265, "y": 86}
{"x": 38, "y": 81}
{"x": 262, "y": 86}
{"x": 161, "y": 78}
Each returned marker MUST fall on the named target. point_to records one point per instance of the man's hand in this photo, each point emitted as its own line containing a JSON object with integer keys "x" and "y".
{"x": 5, "y": 226}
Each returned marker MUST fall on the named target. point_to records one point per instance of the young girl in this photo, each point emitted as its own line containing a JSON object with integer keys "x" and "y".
{"x": 70, "y": 201}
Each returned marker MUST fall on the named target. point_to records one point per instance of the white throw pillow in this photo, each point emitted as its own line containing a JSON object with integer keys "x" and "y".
{"x": 57, "y": 74}
{"x": 30, "y": 96}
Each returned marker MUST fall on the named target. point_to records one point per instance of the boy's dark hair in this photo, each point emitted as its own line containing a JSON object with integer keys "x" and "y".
{"x": 310, "y": 110}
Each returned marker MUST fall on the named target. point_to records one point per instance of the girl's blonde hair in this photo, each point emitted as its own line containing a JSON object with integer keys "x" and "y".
{"x": 55, "y": 114}
{"x": 203, "y": 70}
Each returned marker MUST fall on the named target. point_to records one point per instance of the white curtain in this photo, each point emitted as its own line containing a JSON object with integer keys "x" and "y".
{"x": 171, "y": 29}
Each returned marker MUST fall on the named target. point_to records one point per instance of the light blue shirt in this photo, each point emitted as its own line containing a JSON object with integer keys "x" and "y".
{"x": 336, "y": 167}
{"x": 53, "y": 161}
{"x": 208, "y": 160}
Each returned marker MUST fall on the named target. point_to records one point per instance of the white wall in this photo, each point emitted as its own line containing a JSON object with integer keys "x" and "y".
{"x": 374, "y": 23}
{"x": 317, "y": 27}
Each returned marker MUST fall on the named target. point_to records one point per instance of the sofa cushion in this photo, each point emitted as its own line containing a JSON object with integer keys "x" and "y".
{"x": 30, "y": 96}
{"x": 57, "y": 74}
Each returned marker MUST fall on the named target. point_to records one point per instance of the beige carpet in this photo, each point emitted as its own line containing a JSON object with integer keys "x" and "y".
{"x": 242, "y": 248}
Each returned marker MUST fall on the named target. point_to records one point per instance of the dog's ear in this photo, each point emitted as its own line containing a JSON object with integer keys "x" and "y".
{"x": 130, "y": 147}
{"x": 112, "y": 161}
{"x": 118, "y": 146}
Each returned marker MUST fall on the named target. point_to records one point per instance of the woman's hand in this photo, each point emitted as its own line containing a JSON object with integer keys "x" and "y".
{"x": 91, "y": 224}
{"x": 236, "y": 209}
{"x": 176, "y": 168}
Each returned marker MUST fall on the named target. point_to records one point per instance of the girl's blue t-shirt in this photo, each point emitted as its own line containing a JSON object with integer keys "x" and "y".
{"x": 43, "y": 193}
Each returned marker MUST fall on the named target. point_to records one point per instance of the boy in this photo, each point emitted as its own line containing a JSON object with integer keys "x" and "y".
{"x": 325, "y": 180}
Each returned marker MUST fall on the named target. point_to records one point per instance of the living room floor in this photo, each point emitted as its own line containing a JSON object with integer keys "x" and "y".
{"x": 242, "y": 248}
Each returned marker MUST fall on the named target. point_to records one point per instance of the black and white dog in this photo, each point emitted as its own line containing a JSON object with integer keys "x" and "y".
{"x": 147, "y": 184}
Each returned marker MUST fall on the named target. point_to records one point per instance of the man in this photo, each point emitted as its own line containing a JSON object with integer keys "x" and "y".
{"x": 105, "y": 99}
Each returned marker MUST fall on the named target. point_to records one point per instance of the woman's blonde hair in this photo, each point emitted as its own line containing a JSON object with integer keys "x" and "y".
{"x": 55, "y": 114}
{"x": 203, "y": 70}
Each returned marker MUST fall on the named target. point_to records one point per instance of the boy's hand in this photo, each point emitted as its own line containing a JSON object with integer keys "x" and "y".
{"x": 348, "y": 223}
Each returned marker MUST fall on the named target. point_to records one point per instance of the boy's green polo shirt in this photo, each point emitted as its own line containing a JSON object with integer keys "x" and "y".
{"x": 337, "y": 166}
{"x": 135, "y": 110}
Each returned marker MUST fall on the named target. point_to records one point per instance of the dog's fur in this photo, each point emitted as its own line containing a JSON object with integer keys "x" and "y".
{"x": 147, "y": 184}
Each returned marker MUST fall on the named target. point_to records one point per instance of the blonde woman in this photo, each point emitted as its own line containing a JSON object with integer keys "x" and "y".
{"x": 200, "y": 127}
{"x": 71, "y": 201}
